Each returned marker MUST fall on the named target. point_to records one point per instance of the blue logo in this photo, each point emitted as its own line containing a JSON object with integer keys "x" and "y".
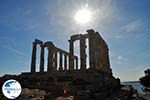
{"x": 11, "y": 89}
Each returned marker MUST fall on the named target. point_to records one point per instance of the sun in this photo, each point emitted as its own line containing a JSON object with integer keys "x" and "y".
{"x": 83, "y": 16}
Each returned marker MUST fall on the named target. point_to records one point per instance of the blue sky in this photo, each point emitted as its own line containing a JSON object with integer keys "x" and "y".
{"x": 124, "y": 24}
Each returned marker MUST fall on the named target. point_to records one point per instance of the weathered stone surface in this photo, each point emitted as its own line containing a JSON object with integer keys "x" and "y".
{"x": 125, "y": 93}
{"x": 32, "y": 94}
{"x": 98, "y": 53}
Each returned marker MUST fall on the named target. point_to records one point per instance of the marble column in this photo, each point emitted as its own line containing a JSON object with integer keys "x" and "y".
{"x": 33, "y": 61}
{"x": 42, "y": 59}
{"x": 76, "y": 63}
{"x": 91, "y": 49}
{"x": 60, "y": 61}
{"x": 83, "y": 53}
{"x": 71, "y": 50}
{"x": 55, "y": 62}
{"x": 50, "y": 58}
{"x": 65, "y": 62}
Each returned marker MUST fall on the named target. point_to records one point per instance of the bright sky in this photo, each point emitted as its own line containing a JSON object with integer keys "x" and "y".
{"x": 124, "y": 24}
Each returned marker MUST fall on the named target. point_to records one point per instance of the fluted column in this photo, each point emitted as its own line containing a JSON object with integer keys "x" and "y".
{"x": 55, "y": 62}
{"x": 60, "y": 61}
{"x": 65, "y": 62}
{"x": 71, "y": 60}
{"x": 91, "y": 49}
{"x": 76, "y": 63}
{"x": 83, "y": 53}
{"x": 42, "y": 59}
{"x": 33, "y": 61}
{"x": 50, "y": 59}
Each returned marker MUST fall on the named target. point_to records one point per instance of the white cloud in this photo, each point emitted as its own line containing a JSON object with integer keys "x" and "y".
{"x": 120, "y": 59}
{"x": 132, "y": 26}
{"x": 14, "y": 50}
{"x": 28, "y": 12}
{"x": 118, "y": 36}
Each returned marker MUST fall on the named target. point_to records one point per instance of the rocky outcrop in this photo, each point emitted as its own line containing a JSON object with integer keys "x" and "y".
{"x": 124, "y": 93}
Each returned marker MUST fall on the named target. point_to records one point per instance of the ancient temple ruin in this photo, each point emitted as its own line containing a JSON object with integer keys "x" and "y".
{"x": 98, "y": 55}
{"x": 89, "y": 72}
{"x": 64, "y": 77}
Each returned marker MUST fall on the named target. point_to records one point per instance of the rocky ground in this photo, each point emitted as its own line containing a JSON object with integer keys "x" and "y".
{"x": 146, "y": 97}
{"x": 124, "y": 93}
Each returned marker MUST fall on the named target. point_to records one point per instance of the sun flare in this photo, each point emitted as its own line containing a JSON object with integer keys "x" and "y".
{"x": 83, "y": 16}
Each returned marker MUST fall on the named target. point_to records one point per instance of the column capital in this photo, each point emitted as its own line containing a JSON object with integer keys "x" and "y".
{"x": 70, "y": 41}
{"x": 49, "y": 44}
{"x": 34, "y": 43}
{"x": 41, "y": 45}
{"x": 90, "y": 31}
{"x": 37, "y": 41}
